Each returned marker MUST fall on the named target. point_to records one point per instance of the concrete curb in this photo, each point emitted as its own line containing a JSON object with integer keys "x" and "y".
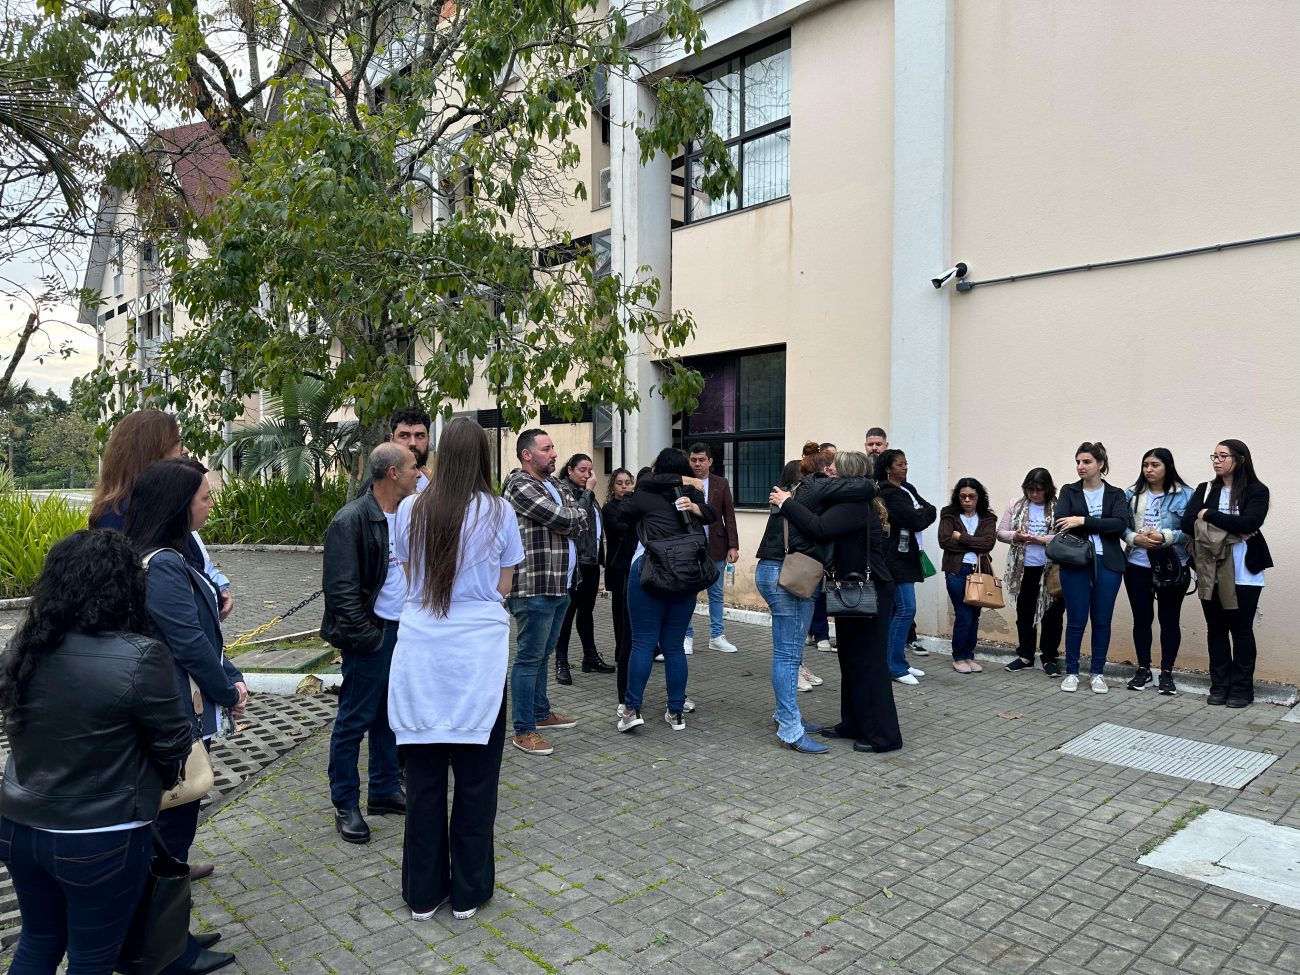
{"x": 22, "y": 602}
{"x": 286, "y": 684}
{"x": 265, "y": 548}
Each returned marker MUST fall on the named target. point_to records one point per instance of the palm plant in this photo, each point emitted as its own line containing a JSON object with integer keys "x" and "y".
{"x": 296, "y": 440}
{"x": 42, "y": 118}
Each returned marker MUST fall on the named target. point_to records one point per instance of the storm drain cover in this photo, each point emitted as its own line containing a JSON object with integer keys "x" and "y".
{"x": 1182, "y": 758}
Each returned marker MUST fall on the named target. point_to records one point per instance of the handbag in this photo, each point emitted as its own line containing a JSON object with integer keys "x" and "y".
{"x": 800, "y": 574}
{"x": 1052, "y": 580}
{"x": 197, "y": 777}
{"x": 854, "y": 595}
{"x": 927, "y": 567}
{"x": 1067, "y": 549}
{"x": 1166, "y": 571}
{"x": 677, "y": 566}
{"x": 984, "y": 589}
{"x": 160, "y": 929}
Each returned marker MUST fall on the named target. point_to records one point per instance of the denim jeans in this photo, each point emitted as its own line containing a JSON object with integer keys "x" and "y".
{"x": 900, "y": 624}
{"x": 820, "y": 627}
{"x": 716, "y": 624}
{"x": 966, "y": 626}
{"x": 1089, "y": 594}
{"x": 790, "y": 618}
{"x": 363, "y": 711}
{"x": 660, "y": 622}
{"x": 77, "y": 892}
{"x": 538, "y": 620}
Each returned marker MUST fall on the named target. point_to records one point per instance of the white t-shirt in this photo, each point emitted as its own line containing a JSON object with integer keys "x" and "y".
{"x": 1150, "y": 519}
{"x": 1036, "y": 554}
{"x": 1244, "y": 577}
{"x": 972, "y": 523}
{"x": 916, "y": 506}
{"x": 421, "y": 482}
{"x": 554, "y": 492}
{"x": 482, "y": 555}
{"x": 1093, "y": 499}
{"x": 388, "y": 605}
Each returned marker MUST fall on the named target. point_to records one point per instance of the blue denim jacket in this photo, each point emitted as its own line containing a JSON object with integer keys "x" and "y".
{"x": 1171, "y": 516}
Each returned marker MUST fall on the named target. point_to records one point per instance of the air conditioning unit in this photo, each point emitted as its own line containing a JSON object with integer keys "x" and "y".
{"x": 602, "y": 188}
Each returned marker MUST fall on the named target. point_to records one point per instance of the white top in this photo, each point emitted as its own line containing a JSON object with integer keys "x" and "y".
{"x": 916, "y": 506}
{"x": 554, "y": 492}
{"x": 448, "y": 672}
{"x": 1093, "y": 498}
{"x": 119, "y": 827}
{"x": 1244, "y": 577}
{"x": 388, "y": 604}
{"x": 1150, "y": 519}
{"x": 1036, "y": 554}
{"x": 972, "y": 523}
{"x": 421, "y": 482}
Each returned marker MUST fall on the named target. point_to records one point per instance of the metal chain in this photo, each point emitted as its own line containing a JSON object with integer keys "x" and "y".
{"x": 252, "y": 634}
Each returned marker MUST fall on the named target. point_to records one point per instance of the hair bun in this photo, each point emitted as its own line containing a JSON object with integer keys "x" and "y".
{"x": 811, "y": 448}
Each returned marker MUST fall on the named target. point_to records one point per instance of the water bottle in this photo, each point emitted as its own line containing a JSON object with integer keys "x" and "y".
{"x": 731, "y": 573}
{"x": 904, "y": 540}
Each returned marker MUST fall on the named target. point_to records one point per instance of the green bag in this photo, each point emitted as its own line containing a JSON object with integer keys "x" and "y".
{"x": 927, "y": 567}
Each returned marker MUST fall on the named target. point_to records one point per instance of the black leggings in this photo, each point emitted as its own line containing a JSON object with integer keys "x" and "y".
{"x": 1145, "y": 600}
{"x": 582, "y": 601}
{"x": 1230, "y": 635}
{"x": 1053, "y": 618}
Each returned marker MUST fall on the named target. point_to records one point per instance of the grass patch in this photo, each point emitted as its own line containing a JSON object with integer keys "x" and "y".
{"x": 1179, "y": 824}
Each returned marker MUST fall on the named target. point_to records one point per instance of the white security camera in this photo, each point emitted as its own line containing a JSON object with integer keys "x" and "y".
{"x": 956, "y": 271}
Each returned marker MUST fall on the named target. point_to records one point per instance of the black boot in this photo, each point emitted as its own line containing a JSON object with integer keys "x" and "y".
{"x": 348, "y": 821}
{"x": 593, "y": 664}
{"x": 394, "y": 805}
{"x": 562, "y": 674}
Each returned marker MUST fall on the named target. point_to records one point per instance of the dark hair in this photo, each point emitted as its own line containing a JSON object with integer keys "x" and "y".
{"x": 410, "y": 415}
{"x": 884, "y": 461}
{"x": 158, "y": 514}
{"x": 613, "y": 476}
{"x": 701, "y": 448}
{"x": 644, "y": 471}
{"x": 1243, "y": 470}
{"x": 573, "y": 462}
{"x": 672, "y": 461}
{"x": 982, "y": 496}
{"x": 1172, "y": 480}
{"x": 1040, "y": 477}
{"x": 876, "y": 432}
{"x": 790, "y": 475}
{"x": 526, "y": 440}
{"x": 828, "y": 446}
{"x": 463, "y": 472}
{"x": 138, "y": 440}
{"x": 1097, "y": 451}
{"x": 91, "y": 582}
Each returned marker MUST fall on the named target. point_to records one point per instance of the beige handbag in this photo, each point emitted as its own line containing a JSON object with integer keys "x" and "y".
{"x": 800, "y": 574}
{"x": 984, "y": 589}
{"x": 196, "y": 777}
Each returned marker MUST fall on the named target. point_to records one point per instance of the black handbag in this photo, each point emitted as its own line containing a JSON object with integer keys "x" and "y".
{"x": 677, "y": 566}
{"x": 854, "y": 595}
{"x": 1166, "y": 571}
{"x": 160, "y": 929}
{"x": 1067, "y": 549}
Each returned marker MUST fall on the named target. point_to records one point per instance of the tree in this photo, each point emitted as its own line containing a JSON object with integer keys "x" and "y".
{"x": 65, "y": 442}
{"x": 378, "y": 113}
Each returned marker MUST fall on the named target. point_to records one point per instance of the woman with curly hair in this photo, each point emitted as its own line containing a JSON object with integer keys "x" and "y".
{"x": 967, "y": 532}
{"x": 97, "y": 729}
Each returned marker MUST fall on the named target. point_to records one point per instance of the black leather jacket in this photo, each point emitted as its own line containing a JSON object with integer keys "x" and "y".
{"x": 104, "y": 730}
{"x": 816, "y": 492}
{"x": 356, "y": 565}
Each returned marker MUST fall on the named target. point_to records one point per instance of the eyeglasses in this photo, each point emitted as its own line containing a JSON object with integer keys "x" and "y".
{"x": 967, "y": 497}
{"x": 1220, "y": 456}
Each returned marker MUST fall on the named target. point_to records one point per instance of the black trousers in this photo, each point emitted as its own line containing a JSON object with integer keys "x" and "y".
{"x": 178, "y": 825}
{"x": 1230, "y": 635}
{"x": 867, "y": 711}
{"x": 1053, "y": 619}
{"x": 439, "y": 862}
{"x": 617, "y": 587}
{"x": 1144, "y": 599}
{"x": 582, "y": 601}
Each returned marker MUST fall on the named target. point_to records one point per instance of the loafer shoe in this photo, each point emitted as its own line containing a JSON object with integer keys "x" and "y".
{"x": 394, "y": 805}
{"x": 1237, "y": 702}
{"x": 209, "y": 961}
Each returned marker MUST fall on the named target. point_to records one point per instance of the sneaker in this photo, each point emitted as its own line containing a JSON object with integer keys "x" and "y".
{"x": 1166, "y": 685}
{"x": 532, "y": 744}
{"x": 557, "y": 721}
{"x": 810, "y": 677}
{"x": 1019, "y": 664}
{"x": 1070, "y": 684}
{"x": 688, "y": 707}
{"x": 619, "y": 711}
{"x": 906, "y": 679}
{"x": 659, "y": 657}
{"x": 426, "y": 915}
{"x": 688, "y": 646}
{"x": 825, "y": 646}
{"x": 917, "y": 649}
{"x": 916, "y": 671}
{"x": 630, "y": 718}
{"x": 810, "y": 641}
{"x": 803, "y": 684}
{"x": 464, "y": 915}
{"x": 1099, "y": 684}
{"x": 676, "y": 720}
{"x": 1051, "y": 668}
{"x": 1141, "y": 679}
{"x": 722, "y": 644}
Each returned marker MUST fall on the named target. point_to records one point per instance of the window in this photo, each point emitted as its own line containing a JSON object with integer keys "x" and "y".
{"x": 119, "y": 267}
{"x": 741, "y": 416}
{"x": 750, "y": 98}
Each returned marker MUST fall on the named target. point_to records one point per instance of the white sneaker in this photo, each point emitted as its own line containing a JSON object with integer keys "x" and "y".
{"x": 659, "y": 657}
{"x": 688, "y": 646}
{"x": 675, "y": 721}
{"x": 916, "y": 671}
{"x": 723, "y": 644}
{"x": 1070, "y": 684}
{"x": 688, "y": 707}
{"x": 803, "y": 684}
{"x": 825, "y": 646}
{"x": 464, "y": 915}
{"x": 906, "y": 679}
{"x": 427, "y": 915}
{"x": 810, "y": 677}
{"x": 1099, "y": 684}
{"x": 917, "y": 649}
{"x": 630, "y": 719}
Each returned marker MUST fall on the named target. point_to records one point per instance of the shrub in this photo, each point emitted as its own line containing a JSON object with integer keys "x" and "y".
{"x": 28, "y": 527}
{"x": 252, "y": 512}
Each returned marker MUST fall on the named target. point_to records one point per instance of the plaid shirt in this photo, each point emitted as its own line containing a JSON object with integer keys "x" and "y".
{"x": 545, "y": 528}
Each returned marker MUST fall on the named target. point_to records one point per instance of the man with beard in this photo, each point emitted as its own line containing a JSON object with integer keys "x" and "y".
{"x": 409, "y": 428}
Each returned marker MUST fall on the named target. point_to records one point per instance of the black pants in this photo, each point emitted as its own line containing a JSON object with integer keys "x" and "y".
{"x": 1053, "y": 618}
{"x": 867, "y": 711}
{"x": 1144, "y": 599}
{"x": 439, "y": 862}
{"x": 582, "y": 600}
{"x": 622, "y": 629}
{"x": 1230, "y": 634}
{"x": 178, "y": 824}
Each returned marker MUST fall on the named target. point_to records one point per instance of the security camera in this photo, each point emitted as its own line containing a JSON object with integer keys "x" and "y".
{"x": 956, "y": 271}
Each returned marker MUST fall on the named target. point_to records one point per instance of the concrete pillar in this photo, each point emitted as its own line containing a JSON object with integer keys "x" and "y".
{"x": 640, "y": 236}
{"x": 919, "y": 341}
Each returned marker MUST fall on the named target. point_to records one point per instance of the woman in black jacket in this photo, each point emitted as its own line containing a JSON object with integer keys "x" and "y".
{"x": 909, "y": 515}
{"x": 618, "y": 559}
{"x": 1238, "y": 503}
{"x": 1090, "y": 508}
{"x": 575, "y": 481}
{"x": 97, "y": 729}
{"x": 851, "y": 521}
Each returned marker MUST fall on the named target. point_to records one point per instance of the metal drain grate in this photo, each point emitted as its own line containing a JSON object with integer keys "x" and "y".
{"x": 1180, "y": 757}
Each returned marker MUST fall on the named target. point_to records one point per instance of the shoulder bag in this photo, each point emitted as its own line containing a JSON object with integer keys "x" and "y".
{"x": 1067, "y": 549}
{"x": 1166, "y": 571}
{"x": 160, "y": 929}
{"x": 984, "y": 589}
{"x": 800, "y": 573}
{"x": 927, "y": 567}
{"x": 676, "y": 566}
{"x": 854, "y": 595}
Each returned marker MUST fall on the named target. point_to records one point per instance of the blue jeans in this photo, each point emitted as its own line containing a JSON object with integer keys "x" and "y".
{"x": 820, "y": 628}
{"x": 790, "y": 618}
{"x": 716, "y": 624}
{"x": 538, "y": 620}
{"x": 966, "y": 627}
{"x": 1089, "y": 593}
{"x": 77, "y": 892}
{"x": 899, "y": 626}
{"x": 656, "y": 622}
{"x": 363, "y": 711}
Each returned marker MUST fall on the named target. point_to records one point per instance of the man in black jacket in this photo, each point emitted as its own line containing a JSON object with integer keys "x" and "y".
{"x": 364, "y": 592}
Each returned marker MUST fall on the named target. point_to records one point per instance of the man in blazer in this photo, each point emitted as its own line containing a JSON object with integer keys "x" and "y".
{"x": 724, "y": 542}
